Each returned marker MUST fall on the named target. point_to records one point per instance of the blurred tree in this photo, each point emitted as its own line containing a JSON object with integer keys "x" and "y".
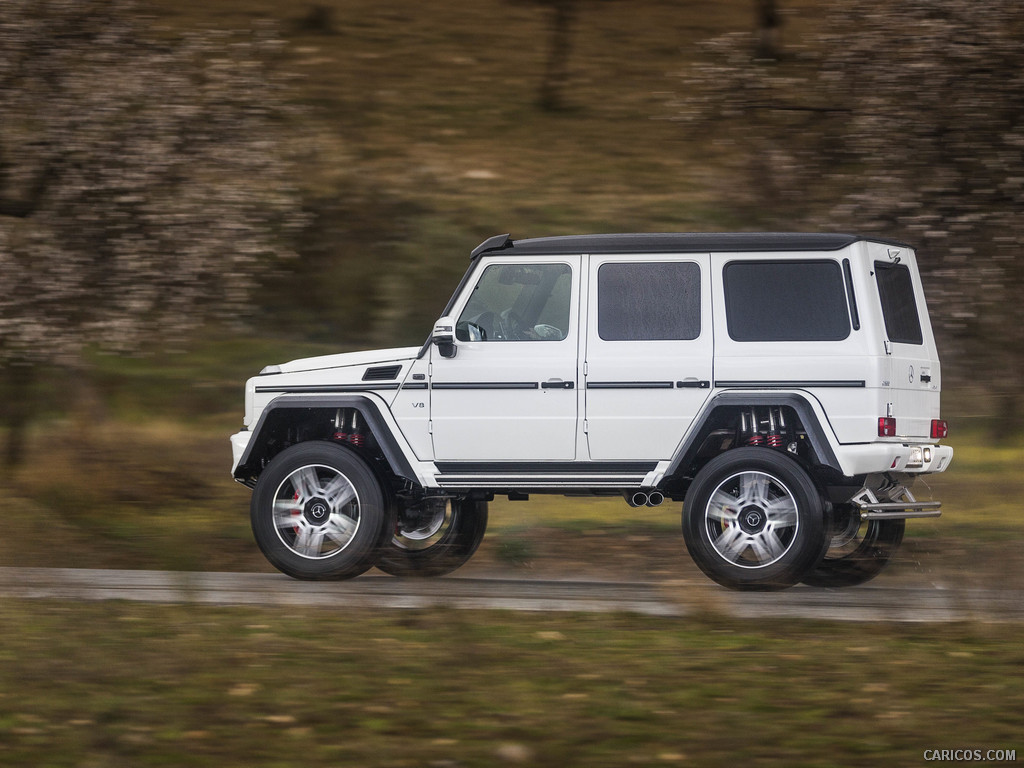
{"x": 904, "y": 117}
{"x": 143, "y": 183}
{"x": 769, "y": 22}
{"x": 556, "y": 67}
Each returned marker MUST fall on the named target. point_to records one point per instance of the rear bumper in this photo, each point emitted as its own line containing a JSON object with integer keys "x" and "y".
{"x": 905, "y": 458}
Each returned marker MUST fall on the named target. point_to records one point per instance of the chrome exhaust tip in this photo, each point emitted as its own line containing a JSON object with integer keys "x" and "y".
{"x": 636, "y": 498}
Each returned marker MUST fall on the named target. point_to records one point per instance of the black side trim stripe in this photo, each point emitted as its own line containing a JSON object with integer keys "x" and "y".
{"x": 326, "y": 388}
{"x": 415, "y": 385}
{"x": 649, "y": 384}
{"x": 839, "y": 384}
{"x": 629, "y": 385}
{"x": 485, "y": 385}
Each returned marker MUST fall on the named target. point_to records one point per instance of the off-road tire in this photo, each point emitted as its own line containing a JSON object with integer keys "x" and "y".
{"x": 439, "y": 548}
{"x": 857, "y": 556}
{"x": 754, "y": 519}
{"x": 318, "y": 512}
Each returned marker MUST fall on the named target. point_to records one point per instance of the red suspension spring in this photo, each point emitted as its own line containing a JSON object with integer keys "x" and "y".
{"x": 352, "y": 438}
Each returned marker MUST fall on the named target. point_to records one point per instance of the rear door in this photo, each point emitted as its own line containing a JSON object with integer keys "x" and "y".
{"x": 914, "y": 379}
{"x": 648, "y": 352}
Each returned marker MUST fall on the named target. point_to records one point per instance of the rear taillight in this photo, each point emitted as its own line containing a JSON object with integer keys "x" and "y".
{"x": 887, "y": 426}
{"x": 940, "y": 429}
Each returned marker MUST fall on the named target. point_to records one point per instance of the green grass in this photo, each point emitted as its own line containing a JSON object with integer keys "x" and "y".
{"x": 114, "y": 684}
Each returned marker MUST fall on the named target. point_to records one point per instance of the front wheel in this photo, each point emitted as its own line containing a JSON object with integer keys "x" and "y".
{"x": 858, "y": 550}
{"x": 318, "y": 512}
{"x": 434, "y": 536}
{"x": 754, "y": 519}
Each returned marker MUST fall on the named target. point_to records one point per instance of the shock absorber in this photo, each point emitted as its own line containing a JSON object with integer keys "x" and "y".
{"x": 349, "y": 433}
{"x": 743, "y": 430}
{"x": 355, "y": 437}
{"x": 756, "y": 438}
{"x": 340, "y": 432}
{"x": 775, "y": 438}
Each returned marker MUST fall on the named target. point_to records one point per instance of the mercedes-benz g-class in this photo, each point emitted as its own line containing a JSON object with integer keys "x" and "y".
{"x": 783, "y": 387}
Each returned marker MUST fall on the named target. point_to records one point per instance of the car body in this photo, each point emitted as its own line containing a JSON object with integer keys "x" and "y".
{"x": 737, "y": 372}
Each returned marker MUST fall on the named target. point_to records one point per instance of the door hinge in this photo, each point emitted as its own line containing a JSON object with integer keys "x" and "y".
{"x": 888, "y": 347}
{"x": 430, "y": 427}
{"x": 586, "y": 427}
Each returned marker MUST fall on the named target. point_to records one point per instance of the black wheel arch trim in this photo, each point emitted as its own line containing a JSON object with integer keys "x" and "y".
{"x": 370, "y": 411}
{"x": 816, "y": 434}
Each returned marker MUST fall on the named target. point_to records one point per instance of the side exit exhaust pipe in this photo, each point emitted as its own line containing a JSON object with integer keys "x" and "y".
{"x": 636, "y": 498}
{"x": 643, "y": 498}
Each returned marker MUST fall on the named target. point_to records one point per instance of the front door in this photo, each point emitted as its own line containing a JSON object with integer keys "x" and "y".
{"x": 510, "y": 393}
{"x": 649, "y": 350}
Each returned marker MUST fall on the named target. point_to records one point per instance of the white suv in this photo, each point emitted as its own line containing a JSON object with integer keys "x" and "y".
{"x": 784, "y": 387}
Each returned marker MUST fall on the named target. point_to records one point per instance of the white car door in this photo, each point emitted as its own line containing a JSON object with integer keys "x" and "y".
{"x": 649, "y": 353}
{"x": 510, "y": 392}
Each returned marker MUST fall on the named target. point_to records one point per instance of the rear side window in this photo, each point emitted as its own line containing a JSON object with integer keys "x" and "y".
{"x": 648, "y": 301}
{"x": 899, "y": 307}
{"x": 786, "y": 301}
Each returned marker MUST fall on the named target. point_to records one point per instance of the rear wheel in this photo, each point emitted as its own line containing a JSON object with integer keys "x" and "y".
{"x": 858, "y": 550}
{"x": 434, "y": 536}
{"x": 318, "y": 512}
{"x": 754, "y": 519}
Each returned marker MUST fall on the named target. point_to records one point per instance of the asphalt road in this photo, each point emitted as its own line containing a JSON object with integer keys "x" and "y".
{"x": 667, "y": 598}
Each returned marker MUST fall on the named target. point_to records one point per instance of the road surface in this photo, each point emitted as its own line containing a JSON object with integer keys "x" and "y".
{"x": 667, "y": 598}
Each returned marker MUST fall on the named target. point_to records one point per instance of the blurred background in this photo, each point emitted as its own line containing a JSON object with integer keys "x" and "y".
{"x": 192, "y": 190}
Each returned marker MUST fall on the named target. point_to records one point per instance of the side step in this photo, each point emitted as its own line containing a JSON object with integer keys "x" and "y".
{"x": 537, "y": 482}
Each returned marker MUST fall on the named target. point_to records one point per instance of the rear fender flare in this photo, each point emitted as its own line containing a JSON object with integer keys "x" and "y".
{"x": 799, "y": 402}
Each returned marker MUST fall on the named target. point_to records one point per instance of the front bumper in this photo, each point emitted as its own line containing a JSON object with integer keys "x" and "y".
{"x": 239, "y": 442}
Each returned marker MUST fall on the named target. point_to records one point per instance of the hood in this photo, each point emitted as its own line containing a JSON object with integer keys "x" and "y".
{"x": 369, "y": 357}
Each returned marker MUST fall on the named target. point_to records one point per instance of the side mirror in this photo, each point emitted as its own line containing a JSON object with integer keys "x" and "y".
{"x": 444, "y": 337}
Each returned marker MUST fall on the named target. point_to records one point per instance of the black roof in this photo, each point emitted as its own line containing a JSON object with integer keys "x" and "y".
{"x": 674, "y": 242}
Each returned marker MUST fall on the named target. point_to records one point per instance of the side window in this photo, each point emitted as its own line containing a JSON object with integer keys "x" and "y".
{"x": 786, "y": 301}
{"x": 648, "y": 301}
{"x": 518, "y": 302}
{"x": 899, "y": 308}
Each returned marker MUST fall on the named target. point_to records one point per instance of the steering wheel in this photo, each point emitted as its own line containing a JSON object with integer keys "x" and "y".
{"x": 512, "y": 326}
{"x": 489, "y": 325}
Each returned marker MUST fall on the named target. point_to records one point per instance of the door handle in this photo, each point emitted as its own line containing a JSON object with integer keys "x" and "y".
{"x": 693, "y": 384}
{"x": 557, "y": 384}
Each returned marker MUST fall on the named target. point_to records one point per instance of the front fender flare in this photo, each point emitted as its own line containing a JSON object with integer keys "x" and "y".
{"x": 371, "y": 411}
